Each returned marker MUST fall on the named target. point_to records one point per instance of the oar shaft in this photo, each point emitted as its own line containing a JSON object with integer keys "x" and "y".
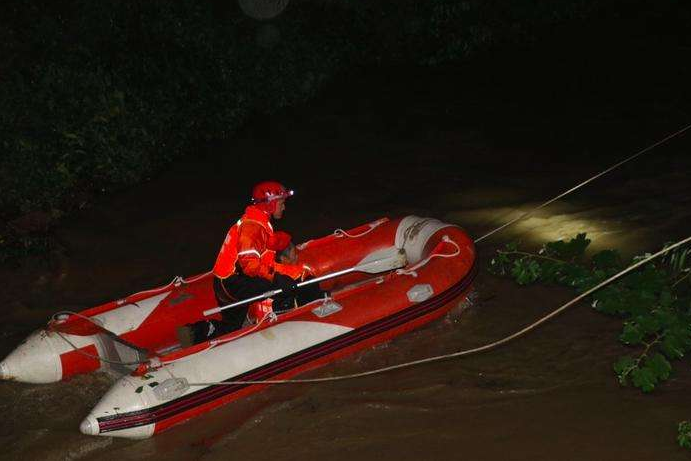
{"x": 264, "y": 295}
{"x": 271, "y": 293}
{"x": 372, "y": 267}
{"x": 326, "y": 277}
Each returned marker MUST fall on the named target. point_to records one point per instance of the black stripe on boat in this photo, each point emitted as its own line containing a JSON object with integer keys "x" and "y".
{"x": 265, "y": 372}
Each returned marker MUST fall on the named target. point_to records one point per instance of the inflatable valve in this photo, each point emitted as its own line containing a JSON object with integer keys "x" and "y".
{"x": 171, "y": 388}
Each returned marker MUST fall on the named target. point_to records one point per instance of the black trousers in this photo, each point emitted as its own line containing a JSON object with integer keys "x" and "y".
{"x": 240, "y": 286}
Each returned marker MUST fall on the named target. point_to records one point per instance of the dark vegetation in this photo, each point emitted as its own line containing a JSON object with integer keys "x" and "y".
{"x": 653, "y": 301}
{"x": 96, "y": 96}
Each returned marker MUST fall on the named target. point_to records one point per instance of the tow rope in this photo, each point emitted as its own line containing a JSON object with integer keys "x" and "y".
{"x": 583, "y": 183}
{"x": 485, "y": 347}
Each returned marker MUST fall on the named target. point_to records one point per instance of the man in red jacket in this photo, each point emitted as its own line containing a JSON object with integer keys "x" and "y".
{"x": 247, "y": 264}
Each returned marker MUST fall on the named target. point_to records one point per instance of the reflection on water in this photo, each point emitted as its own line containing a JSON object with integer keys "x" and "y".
{"x": 624, "y": 227}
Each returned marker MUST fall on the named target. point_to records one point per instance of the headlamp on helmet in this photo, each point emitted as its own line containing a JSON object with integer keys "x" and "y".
{"x": 268, "y": 191}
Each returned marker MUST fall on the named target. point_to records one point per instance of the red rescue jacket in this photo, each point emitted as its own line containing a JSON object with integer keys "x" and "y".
{"x": 252, "y": 243}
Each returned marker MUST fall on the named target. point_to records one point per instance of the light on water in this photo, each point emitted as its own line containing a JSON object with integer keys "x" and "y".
{"x": 559, "y": 221}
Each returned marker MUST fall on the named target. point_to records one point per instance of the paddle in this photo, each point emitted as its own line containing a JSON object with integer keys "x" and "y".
{"x": 387, "y": 263}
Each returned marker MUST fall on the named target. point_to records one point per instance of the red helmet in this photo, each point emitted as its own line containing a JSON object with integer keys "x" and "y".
{"x": 266, "y": 193}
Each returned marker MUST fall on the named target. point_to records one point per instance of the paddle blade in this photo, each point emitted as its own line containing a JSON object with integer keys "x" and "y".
{"x": 392, "y": 258}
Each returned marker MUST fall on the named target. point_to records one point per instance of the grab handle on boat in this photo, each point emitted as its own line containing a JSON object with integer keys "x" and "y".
{"x": 395, "y": 261}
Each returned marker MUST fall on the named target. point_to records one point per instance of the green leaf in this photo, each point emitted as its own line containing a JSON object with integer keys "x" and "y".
{"x": 574, "y": 275}
{"x": 609, "y": 300}
{"x": 660, "y": 367}
{"x": 153, "y": 384}
{"x": 623, "y": 368}
{"x": 671, "y": 349}
{"x": 588, "y": 280}
{"x": 638, "y": 302}
{"x": 647, "y": 324}
{"x": 647, "y": 279}
{"x": 511, "y": 246}
{"x": 677, "y": 260}
{"x": 676, "y": 341}
{"x": 499, "y": 265}
{"x": 606, "y": 259}
{"x": 644, "y": 378}
{"x": 632, "y": 334}
{"x": 550, "y": 271}
{"x": 525, "y": 271}
{"x": 572, "y": 249}
{"x": 666, "y": 317}
{"x": 139, "y": 389}
{"x": 684, "y": 434}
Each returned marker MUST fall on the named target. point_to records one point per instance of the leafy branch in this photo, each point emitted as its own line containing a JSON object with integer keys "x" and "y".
{"x": 653, "y": 302}
{"x": 532, "y": 255}
{"x": 684, "y": 434}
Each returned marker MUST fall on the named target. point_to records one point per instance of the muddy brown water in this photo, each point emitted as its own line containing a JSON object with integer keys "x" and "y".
{"x": 550, "y": 395}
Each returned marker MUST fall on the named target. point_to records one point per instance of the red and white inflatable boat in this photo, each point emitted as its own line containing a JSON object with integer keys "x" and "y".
{"x": 161, "y": 384}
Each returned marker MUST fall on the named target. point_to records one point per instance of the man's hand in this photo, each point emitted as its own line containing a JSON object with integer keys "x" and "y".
{"x": 285, "y": 283}
{"x": 289, "y": 255}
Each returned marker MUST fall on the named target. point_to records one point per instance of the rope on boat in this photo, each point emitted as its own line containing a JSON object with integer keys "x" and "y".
{"x": 413, "y": 270}
{"x": 177, "y": 281}
{"x": 465, "y": 352}
{"x": 372, "y": 226}
{"x": 579, "y": 185}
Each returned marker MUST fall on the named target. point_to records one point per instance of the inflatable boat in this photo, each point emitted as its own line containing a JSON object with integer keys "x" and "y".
{"x": 160, "y": 383}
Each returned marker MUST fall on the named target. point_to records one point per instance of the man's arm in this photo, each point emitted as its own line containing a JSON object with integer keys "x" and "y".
{"x": 251, "y": 245}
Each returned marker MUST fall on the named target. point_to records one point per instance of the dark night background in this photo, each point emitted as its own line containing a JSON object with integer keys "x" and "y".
{"x": 132, "y": 131}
